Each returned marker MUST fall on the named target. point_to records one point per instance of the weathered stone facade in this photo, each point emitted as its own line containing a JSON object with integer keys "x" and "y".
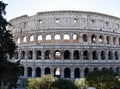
{"x": 66, "y": 44}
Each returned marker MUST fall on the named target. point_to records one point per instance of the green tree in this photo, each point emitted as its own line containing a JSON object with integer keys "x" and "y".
{"x": 81, "y": 83}
{"x": 9, "y": 71}
{"x": 102, "y": 79}
{"x": 64, "y": 84}
{"x": 49, "y": 82}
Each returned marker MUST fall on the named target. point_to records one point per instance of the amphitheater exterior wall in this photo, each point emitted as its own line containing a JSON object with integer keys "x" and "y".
{"x": 66, "y": 44}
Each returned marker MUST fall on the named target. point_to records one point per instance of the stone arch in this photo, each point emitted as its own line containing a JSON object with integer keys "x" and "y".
{"x": 76, "y": 54}
{"x": 57, "y": 38}
{"x": 29, "y": 72}
{"x": 67, "y": 73}
{"x": 18, "y": 40}
{"x": 118, "y": 71}
{"x": 85, "y": 55}
{"x": 110, "y": 55}
{"x": 47, "y": 54}
{"x": 24, "y": 39}
{"x": 38, "y": 54}
{"x": 85, "y": 38}
{"x": 103, "y": 68}
{"x": 77, "y": 73}
{"x": 66, "y": 54}
{"x": 114, "y": 40}
{"x": 103, "y": 55}
{"x": 48, "y": 38}
{"x": 116, "y": 55}
{"x": 39, "y": 38}
{"x": 57, "y": 54}
{"x": 108, "y": 39}
{"x": 111, "y": 68}
{"x": 38, "y": 72}
{"x": 93, "y": 38}
{"x": 101, "y": 39}
{"x": 75, "y": 38}
{"x": 30, "y": 54}
{"x": 66, "y": 38}
{"x": 95, "y": 69}
{"x": 57, "y": 72}
{"x": 119, "y": 40}
{"x": 47, "y": 70}
{"x": 94, "y": 55}
{"x": 31, "y": 38}
{"x": 86, "y": 71}
{"x": 23, "y": 54}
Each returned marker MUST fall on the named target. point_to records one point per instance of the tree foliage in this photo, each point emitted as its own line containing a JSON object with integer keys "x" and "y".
{"x": 49, "y": 82}
{"x": 102, "y": 79}
{"x": 9, "y": 71}
{"x": 81, "y": 83}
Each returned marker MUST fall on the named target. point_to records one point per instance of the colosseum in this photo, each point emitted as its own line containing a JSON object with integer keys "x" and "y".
{"x": 66, "y": 44}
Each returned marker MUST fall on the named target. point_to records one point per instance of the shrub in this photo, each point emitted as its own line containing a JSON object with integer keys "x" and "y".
{"x": 64, "y": 84}
{"x": 40, "y": 83}
{"x": 49, "y": 82}
{"x": 81, "y": 83}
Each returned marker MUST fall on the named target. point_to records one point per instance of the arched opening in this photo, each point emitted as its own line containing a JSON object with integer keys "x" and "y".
{"x": 66, "y": 38}
{"x": 114, "y": 40}
{"x": 24, "y": 39}
{"x": 116, "y": 55}
{"x": 67, "y": 73}
{"x": 29, "y": 71}
{"x": 23, "y": 54}
{"x": 86, "y": 71}
{"x": 47, "y": 54}
{"x": 118, "y": 71}
{"x": 30, "y": 55}
{"x": 77, "y": 73}
{"x": 48, "y": 38}
{"x": 47, "y": 70}
{"x": 38, "y": 56}
{"x": 110, "y": 55}
{"x": 57, "y": 72}
{"x": 31, "y": 39}
{"x": 66, "y": 54}
{"x": 38, "y": 72}
{"x": 103, "y": 55}
{"x": 39, "y": 38}
{"x": 85, "y": 55}
{"x": 95, "y": 69}
{"x": 111, "y": 68}
{"x": 101, "y": 39}
{"x": 75, "y": 38}
{"x": 94, "y": 55}
{"x": 104, "y": 68}
{"x": 84, "y": 37}
{"x": 57, "y": 54}
{"x": 93, "y": 38}
{"x": 76, "y": 54}
{"x": 18, "y": 40}
{"x": 119, "y": 41}
{"x": 16, "y": 55}
{"x": 22, "y": 71}
{"x": 108, "y": 39}
{"x": 57, "y": 38}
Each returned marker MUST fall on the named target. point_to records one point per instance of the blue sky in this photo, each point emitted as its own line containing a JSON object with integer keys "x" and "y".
{"x": 17, "y": 8}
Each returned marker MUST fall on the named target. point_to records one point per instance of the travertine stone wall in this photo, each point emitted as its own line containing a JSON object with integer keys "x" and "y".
{"x": 66, "y": 44}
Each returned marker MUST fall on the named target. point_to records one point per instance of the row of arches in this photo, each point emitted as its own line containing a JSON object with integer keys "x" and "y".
{"x": 67, "y": 54}
{"x": 66, "y": 38}
{"x": 65, "y": 73}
